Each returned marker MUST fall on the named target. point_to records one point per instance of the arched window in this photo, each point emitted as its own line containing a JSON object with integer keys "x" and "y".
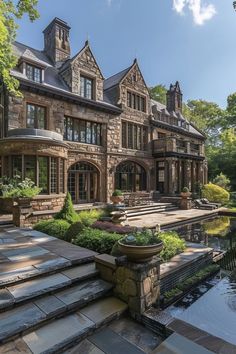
{"x": 130, "y": 177}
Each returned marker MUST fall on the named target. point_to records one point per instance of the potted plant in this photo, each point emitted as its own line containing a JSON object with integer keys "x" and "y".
{"x": 22, "y": 192}
{"x": 141, "y": 246}
{"x": 117, "y": 197}
{"x": 185, "y": 193}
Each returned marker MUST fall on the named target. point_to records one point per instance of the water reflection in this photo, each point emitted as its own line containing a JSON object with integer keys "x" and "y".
{"x": 218, "y": 233}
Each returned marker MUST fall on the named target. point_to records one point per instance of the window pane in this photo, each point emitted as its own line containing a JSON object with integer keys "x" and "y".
{"x": 30, "y": 72}
{"x": 53, "y": 175}
{"x": 41, "y": 121}
{"x": 37, "y": 75}
{"x": 76, "y": 130}
{"x": 43, "y": 173}
{"x": 17, "y": 166}
{"x": 88, "y": 133}
{"x": 94, "y": 133}
{"x": 99, "y": 134}
{"x": 31, "y": 113}
{"x": 82, "y": 86}
{"x": 130, "y": 136}
{"x": 30, "y": 168}
{"x": 89, "y": 88}
{"x": 69, "y": 129}
{"x": 82, "y": 131}
{"x": 129, "y": 99}
{"x": 61, "y": 176}
{"x": 124, "y": 137}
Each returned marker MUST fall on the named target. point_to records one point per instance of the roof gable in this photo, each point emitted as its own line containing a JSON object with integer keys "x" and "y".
{"x": 134, "y": 69}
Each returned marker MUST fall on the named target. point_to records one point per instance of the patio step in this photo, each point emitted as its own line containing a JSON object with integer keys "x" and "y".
{"x": 15, "y": 294}
{"x": 42, "y": 309}
{"x": 150, "y": 210}
{"x": 65, "y": 332}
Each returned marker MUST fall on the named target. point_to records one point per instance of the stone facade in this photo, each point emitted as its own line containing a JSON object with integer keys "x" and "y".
{"x": 172, "y": 155}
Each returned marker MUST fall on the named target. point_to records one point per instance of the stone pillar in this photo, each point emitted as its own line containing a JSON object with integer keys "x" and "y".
{"x": 205, "y": 172}
{"x": 172, "y": 176}
{"x": 137, "y": 284}
{"x": 201, "y": 172}
{"x": 20, "y": 215}
{"x": 166, "y": 182}
{"x": 193, "y": 176}
{"x": 187, "y": 171}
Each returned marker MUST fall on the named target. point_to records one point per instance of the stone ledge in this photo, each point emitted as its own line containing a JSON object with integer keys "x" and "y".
{"x": 106, "y": 260}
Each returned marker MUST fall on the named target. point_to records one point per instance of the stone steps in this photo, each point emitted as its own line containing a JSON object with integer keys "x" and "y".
{"x": 150, "y": 210}
{"x": 65, "y": 332}
{"x": 32, "y": 288}
{"x": 40, "y": 310}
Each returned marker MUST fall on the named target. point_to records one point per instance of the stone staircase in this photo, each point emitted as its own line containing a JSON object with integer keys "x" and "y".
{"x": 54, "y": 303}
{"x": 133, "y": 212}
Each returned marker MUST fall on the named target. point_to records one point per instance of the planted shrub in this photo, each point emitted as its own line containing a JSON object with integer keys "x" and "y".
{"x": 56, "y": 228}
{"x": 67, "y": 212}
{"x": 74, "y": 230}
{"x": 97, "y": 240}
{"x": 88, "y": 217}
{"x": 16, "y": 188}
{"x": 117, "y": 193}
{"x": 172, "y": 245}
{"x": 215, "y": 193}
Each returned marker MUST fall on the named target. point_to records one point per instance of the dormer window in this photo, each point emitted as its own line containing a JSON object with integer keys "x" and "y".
{"x": 33, "y": 73}
{"x": 86, "y": 87}
{"x": 136, "y": 101}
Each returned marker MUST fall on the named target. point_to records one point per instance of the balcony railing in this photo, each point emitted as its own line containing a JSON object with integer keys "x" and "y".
{"x": 172, "y": 145}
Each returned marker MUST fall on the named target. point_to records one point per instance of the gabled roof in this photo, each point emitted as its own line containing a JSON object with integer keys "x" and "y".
{"x": 116, "y": 79}
{"x": 24, "y": 51}
{"x": 71, "y": 60}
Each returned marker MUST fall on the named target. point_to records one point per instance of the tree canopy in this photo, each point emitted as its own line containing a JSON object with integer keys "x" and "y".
{"x": 158, "y": 93}
{"x": 10, "y": 12}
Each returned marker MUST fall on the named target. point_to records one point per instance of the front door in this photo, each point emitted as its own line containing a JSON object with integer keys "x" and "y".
{"x": 83, "y": 183}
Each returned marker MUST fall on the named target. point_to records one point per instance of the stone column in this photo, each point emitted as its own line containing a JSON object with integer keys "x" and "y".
{"x": 193, "y": 176}
{"x": 137, "y": 284}
{"x": 172, "y": 176}
{"x": 201, "y": 172}
{"x": 166, "y": 182}
{"x": 187, "y": 172}
{"x": 205, "y": 172}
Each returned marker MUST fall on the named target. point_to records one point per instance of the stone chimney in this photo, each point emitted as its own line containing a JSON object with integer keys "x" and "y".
{"x": 56, "y": 41}
{"x": 174, "y": 98}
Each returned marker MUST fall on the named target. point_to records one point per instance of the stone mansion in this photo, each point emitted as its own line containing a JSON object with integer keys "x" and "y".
{"x": 73, "y": 130}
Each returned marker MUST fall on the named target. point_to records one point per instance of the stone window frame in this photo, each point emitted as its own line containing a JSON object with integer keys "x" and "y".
{"x": 138, "y": 95}
{"x": 92, "y": 77}
{"x": 125, "y": 144}
{"x": 25, "y": 62}
{"x": 39, "y": 104}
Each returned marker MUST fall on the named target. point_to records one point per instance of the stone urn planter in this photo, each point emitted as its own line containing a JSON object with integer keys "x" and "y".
{"x": 185, "y": 195}
{"x": 140, "y": 254}
{"x": 117, "y": 199}
{"x": 118, "y": 217}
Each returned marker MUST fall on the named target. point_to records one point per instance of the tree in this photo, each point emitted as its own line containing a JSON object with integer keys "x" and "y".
{"x": 9, "y": 13}
{"x": 223, "y": 181}
{"x": 158, "y": 93}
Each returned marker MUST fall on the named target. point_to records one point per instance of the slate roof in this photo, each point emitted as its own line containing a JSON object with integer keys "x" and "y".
{"x": 192, "y": 129}
{"x": 115, "y": 79}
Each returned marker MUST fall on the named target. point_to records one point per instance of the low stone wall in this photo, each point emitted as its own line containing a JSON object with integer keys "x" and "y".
{"x": 48, "y": 202}
{"x": 173, "y": 200}
{"x": 169, "y": 278}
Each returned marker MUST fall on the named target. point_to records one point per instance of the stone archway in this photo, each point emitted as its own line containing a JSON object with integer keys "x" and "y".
{"x": 130, "y": 177}
{"x": 83, "y": 182}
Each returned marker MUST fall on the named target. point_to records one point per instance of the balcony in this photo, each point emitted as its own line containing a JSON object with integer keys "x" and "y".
{"x": 171, "y": 146}
{"x": 34, "y": 133}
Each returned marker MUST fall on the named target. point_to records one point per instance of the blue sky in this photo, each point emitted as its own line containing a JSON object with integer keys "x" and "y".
{"x": 192, "y": 41}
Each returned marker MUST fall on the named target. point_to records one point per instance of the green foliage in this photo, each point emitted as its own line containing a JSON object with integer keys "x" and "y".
{"x": 214, "y": 193}
{"x": 10, "y": 12}
{"x": 217, "y": 227}
{"x": 67, "y": 212}
{"x": 88, "y": 217}
{"x": 141, "y": 238}
{"x": 189, "y": 282}
{"x": 117, "y": 193}
{"x": 172, "y": 245}
{"x": 97, "y": 240}
{"x": 158, "y": 93}
{"x": 74, "y": 230}
{"x": 185, "y": 190}
{"x": 223, "y": 181}
{"x": 56, "y": 228}
{"x": 15, "y": 188}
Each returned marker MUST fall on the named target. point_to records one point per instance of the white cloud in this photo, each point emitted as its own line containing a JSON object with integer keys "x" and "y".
{"x": 200, "y": 11}
{"x": 109, "y": 2}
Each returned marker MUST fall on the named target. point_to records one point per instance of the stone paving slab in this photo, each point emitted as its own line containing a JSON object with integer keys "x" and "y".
{"x": 56, "y": 335}
{"x": 177, "y": 344}
{"x": 112, "y": 343}
{"x": 104, "y": 310}
{"x": 50, "y": 305}
{"x": 6, "y": 299}
{"x": 81, "y": 272}
{"x": 17, "y": 346}
{"x": 136, "y": 334}
{"x": 15, "y": 274}
{"x": 19, "y": 319}
{"x": 83, "y": 293}
{"x": 85, "y": 347}
{"x": 36, "y": 287}
{"x": 52, "y": 262}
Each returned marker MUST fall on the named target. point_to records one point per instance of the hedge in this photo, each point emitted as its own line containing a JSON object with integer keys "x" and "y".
{"x": 215, "y": 193}
{"x": 172, "y": 245}
{"x": 56, "y": 228}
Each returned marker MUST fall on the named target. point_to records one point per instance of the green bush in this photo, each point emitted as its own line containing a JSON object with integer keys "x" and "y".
{"x": 172, "y": 293}
{"x": 88, "y": 217}
{"x": 67, "y": 212}
{"x": 97, "y": 240}
{"x": 74, "y": 230}
{"x": 16, "y": 188}
{"x": 117, "y": 193}
{"x": 215, "y": 193}
{"x": 222, "y": 181}
{"x": 56, "y": 228}
{"x": 172, "y": 245}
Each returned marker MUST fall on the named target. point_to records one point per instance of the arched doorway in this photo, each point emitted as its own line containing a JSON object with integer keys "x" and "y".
{"x": 130, "y": 177}
{"x": 83, "y": 181}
